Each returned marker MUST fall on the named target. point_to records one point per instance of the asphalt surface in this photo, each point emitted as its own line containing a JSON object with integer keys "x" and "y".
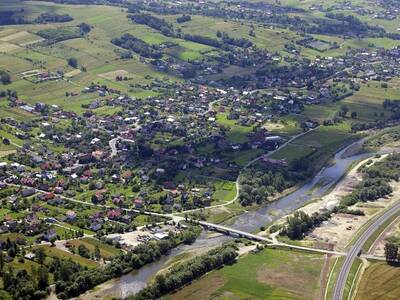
{"x": 356, "y": 248}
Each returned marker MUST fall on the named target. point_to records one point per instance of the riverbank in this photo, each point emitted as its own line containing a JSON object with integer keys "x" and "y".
{"x": 248, "y": 220}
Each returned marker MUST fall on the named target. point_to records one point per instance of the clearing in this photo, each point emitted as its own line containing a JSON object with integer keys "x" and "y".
{"x": 379, "y": 281}
{"x": 270, "y": 274}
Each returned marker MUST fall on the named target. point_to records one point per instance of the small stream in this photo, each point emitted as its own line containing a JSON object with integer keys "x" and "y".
{"x": 248, "y": 221}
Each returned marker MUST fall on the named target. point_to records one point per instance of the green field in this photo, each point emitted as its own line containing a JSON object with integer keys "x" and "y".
{"x": 270, "y": 274}
{"x": 107, "y": 22}
{"x": 224, "y": 191}
{"x": 106, "y": 251}
{"x": 320, "y": 143}
{"x": 237, "y": 133}
{"x": 53, "y": 252}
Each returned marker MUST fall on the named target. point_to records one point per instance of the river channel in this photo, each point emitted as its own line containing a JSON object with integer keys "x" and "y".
{"x": 248, "y": 221}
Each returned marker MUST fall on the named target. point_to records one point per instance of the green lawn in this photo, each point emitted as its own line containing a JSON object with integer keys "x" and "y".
{"x": 237, "y": 133}
{"x": 224, "y": 191}
{"x": 106, "y": 251}
{"x": 270, "y": 274}
{"x": 53, "y": 252}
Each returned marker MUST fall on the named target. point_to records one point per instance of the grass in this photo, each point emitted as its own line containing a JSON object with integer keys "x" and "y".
{"x": 379, "y": 281}
{"x": 287, "y": 127}
{"x": 29, "y": 266}
{"x": 319, "y": 144}
{"x": 243, "y": 157}
{"x": 270, "y": 274}
{"x": 106, "y": 251}
{"x": 53, "y": 252}
{"x": 351, "y": 279}
{"x": 291, "y": 152}
{"x": 334, "y": 273}
{"x": 377, "y": 233}
{"x": 108, "y": 22}
{"x": 224, "y": 191}
{"x": 227, "y": 213}
{"x": 237, "y": 133}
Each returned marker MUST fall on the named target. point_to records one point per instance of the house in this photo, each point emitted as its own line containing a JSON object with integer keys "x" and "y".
{"x": 70, "y": 216}
{"x": 49, "y": 235}
{"x": 28, "y": 192}
{"x": 114, "y": 237}
{"x": 138, "y": 203}
{"x": 30, "y": 256}
{"x": 114, "y": 214}
{"x": 95, "y": 226}
{"x": 161, "y": 235}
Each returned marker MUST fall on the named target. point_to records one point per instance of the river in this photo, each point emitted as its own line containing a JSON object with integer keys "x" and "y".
{"x": 248, "y": 221}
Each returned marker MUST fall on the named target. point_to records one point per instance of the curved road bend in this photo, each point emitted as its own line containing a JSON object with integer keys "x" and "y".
{"x": 355, "y": 249}
{"x": 237, "y": 182}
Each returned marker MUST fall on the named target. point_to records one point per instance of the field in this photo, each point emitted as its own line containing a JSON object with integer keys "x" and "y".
{"x": 106, "y": 251}
{"x": 224, "y": 191}
{"x": 320, "y": 143}
{"x": 19, "y": 53}
{"x": 237, "y": 133}
{"x": 53, "y": 252}
{"x": 270, "y": 274}
{"x": 380, "y": 281}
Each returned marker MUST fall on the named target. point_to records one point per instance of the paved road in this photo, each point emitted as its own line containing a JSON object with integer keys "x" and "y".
{"x": 355, "y": 249}
{"x": 237, "y": 182}
{"x": 178, "y": 219}
{"x": 270, "y": 242}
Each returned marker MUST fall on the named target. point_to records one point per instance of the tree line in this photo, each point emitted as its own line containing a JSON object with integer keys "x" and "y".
{"x": 83, "y": 280}
{"x": 375, "y": 185}
{"x": 129, "y": 42}
{"x": 153, "y": 22}
{"x": 186, "y": 272}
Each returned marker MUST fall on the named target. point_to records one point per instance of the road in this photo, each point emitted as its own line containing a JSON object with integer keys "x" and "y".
{"x": 356, "y": 248}
{"x": 270, "y": 242}
{"x": 113, "y": 146}
{"x": 178, "y": 219}
{"x": 237, "y": 182}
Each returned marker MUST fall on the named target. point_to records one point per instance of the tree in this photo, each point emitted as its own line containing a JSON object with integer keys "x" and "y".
{"x": 5, "y": 78}
{"x": 83, "y": 251}
{"x": 97, "y": 253}
{"x": 84, "y": 28}
{"x": 11, "y": 252}
{"x": 353, "y": 115}
{"x": 6, "y": 141}
{"x": 40, "y": 255}
{"x": 43, "y": 278}
{"x": 391, "y": 251}
{"x": 344, "y": 110}
{"x": 1, "y": 261}
{"x": 73, "y": 62}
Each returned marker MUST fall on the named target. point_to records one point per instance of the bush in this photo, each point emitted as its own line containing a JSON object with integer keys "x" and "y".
{"x": 5, "y": 78}
{"x": 73, "y": 62}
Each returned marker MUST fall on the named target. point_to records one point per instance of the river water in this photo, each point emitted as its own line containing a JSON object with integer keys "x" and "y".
{"x": 248, "y": 221}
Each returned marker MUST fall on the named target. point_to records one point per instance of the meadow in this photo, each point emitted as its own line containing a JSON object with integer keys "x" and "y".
{"x": 379, "y": 281}
{"x": 271, "y": 274}
{"x": 106, "y": 251}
